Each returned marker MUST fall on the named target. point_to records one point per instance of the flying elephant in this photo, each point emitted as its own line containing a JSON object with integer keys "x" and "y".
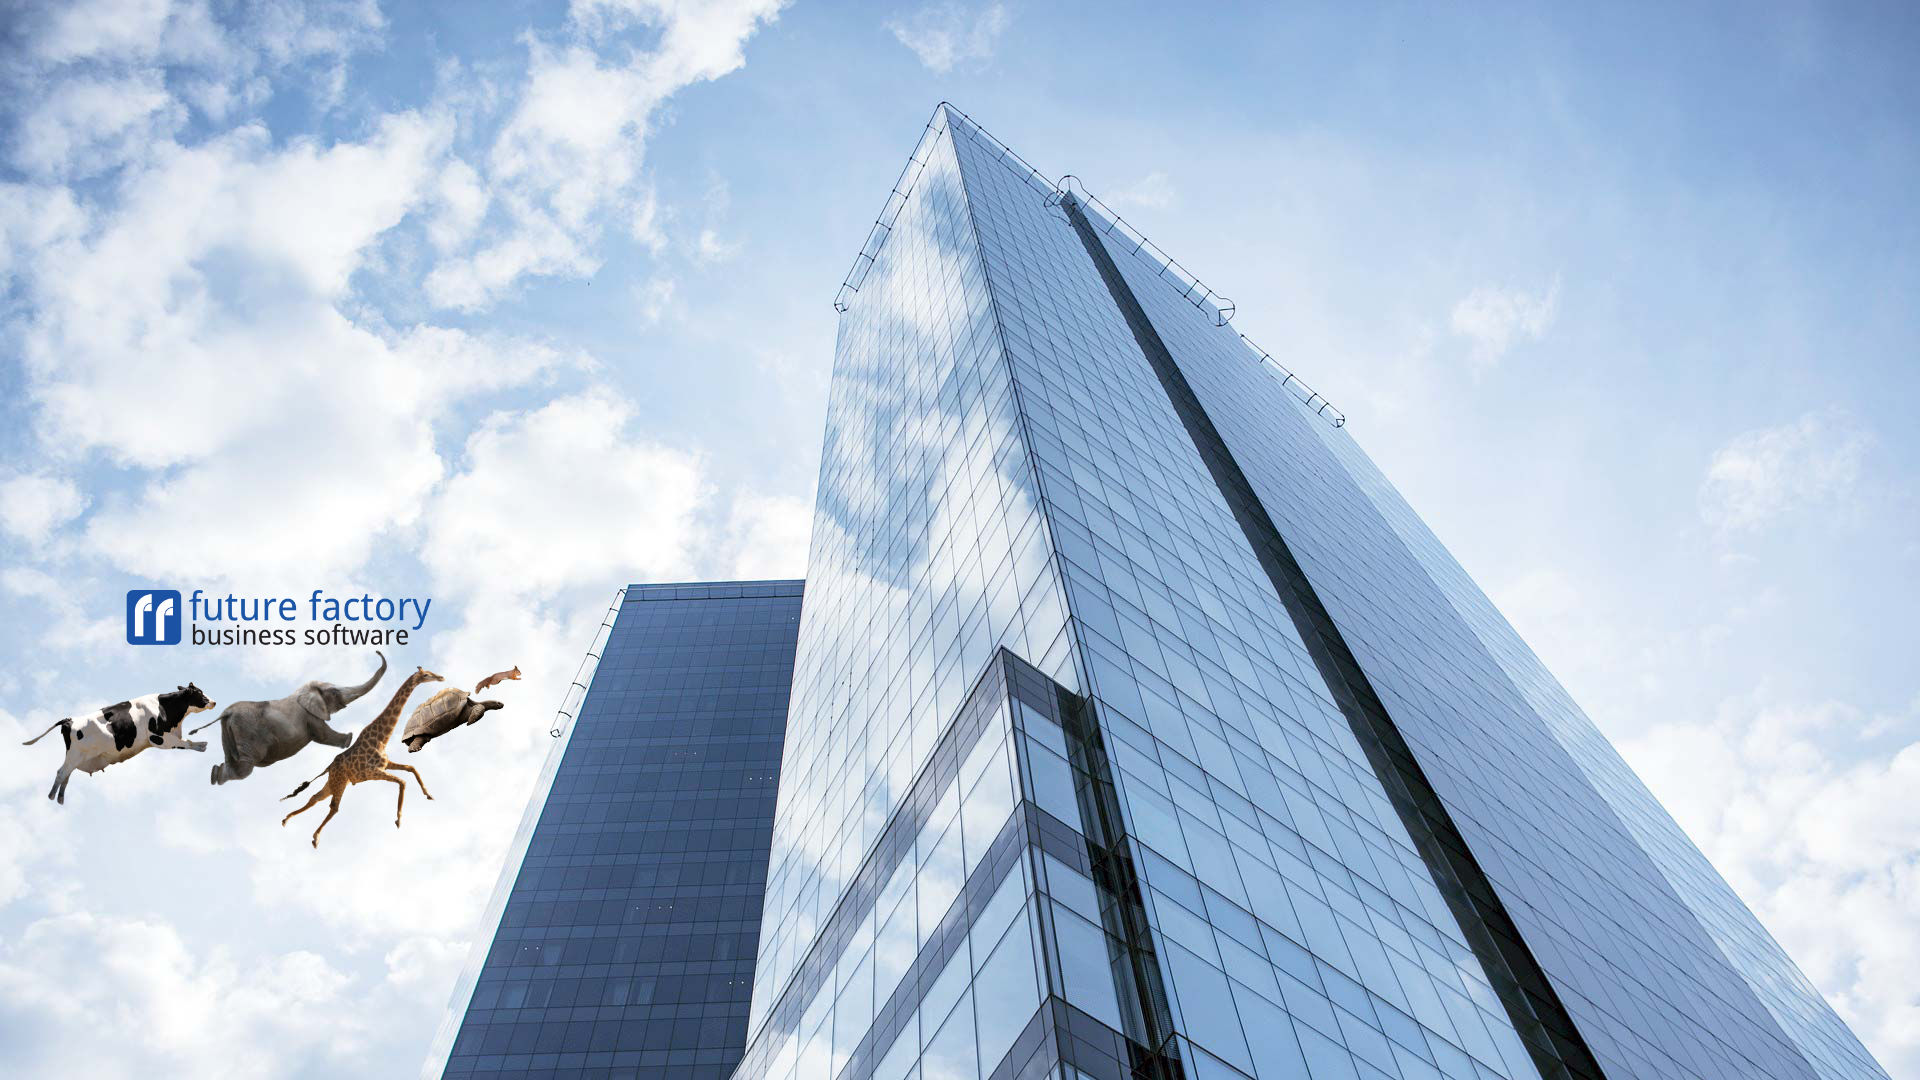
{"x": 256, "y": 734}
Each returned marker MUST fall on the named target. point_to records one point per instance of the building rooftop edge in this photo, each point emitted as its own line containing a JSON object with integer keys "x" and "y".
{"x": 775, "y": 586}
{"x": 1068, "y": 188}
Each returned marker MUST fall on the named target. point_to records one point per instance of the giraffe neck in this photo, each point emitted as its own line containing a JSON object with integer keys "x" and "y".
{"x": 375, "y": 734}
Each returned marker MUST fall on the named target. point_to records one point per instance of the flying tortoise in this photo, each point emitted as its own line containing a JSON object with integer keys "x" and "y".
{"x": 441, "y": 713}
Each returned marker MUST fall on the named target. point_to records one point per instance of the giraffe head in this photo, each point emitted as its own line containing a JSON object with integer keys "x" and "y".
{"x": 427, "y": 676}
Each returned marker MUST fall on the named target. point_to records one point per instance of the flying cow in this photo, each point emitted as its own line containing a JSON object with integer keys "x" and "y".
{"x": 115, "y": 733}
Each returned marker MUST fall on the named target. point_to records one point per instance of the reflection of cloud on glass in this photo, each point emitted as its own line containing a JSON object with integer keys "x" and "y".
{"x": 926, "y": 538}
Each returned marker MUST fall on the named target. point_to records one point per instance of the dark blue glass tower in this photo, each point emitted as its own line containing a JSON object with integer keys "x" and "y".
{"x": 626, "y": 944}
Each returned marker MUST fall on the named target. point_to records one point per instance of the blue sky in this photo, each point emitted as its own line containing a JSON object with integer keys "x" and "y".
{"x": 343, "y": 296}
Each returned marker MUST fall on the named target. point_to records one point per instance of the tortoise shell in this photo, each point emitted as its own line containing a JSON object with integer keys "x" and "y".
{"x": 438, "y": 714}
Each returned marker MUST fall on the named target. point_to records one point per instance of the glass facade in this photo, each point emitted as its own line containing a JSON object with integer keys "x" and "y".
{"x": 1140, "y": 729}
{"x": 1662, "y": 969}
{"x": 625, "y": 946}
{"x": 928, "y": 554}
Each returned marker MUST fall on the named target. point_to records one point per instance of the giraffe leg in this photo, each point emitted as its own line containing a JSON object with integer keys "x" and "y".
{"x": 317, "y": 796}
{"x": 416, "y": 776}
{"x": 400, "y": 803}
{"x": 331, "y": 810}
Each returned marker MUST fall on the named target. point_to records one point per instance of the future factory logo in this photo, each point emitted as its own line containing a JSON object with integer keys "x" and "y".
{"x": 153, "y": 617}
{"x": 160, "y": 617}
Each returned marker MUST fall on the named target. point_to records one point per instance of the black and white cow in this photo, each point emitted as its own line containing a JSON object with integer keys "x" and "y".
{"x": 118, "y": 732}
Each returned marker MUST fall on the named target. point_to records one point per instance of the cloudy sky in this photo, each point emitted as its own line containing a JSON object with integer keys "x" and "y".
{"x": 506, "y": 305}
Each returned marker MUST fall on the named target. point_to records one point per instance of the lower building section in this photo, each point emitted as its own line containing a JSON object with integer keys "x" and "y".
{"x": 996, "y": 928}
{"x": 1007, "y": 925}
{"x": 626, "y": 945}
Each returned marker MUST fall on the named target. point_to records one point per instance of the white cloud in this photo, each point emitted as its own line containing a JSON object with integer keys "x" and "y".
{"x": 123, "y": 29}
{"x": 195, "y": 289}
{"x": 570, "y": 155}
{"x": 86, "y": 123}
{"x": 461, "y": 201}
{"x": 32, "y": 217}
{"x": 330, "y": 28}
{"x": 69, "y": 977}
{"x": 218, "y": 64}
{"x": 710, "y": 248}
{"x": 769, "y": 534}
{"x": 655, "y": 299}
{"x": 68, "y": 623}
{"x": 560, "y": 496}
{"x": 341, "y": 438}
{"x": 1807, "y": 810}
{"x": 1495, "y": 319}
{"x": 199, "y": 296}
{"x": 1762, "y": 475}
{"x": 422, "y": 962}
{"x": 178, "y": 297}
{"x": 948, "y": 35}
{"x": 32, "y": 844}
{"x": 1153, "y": 191}
{"x": 644, "y": 225}
{"x": 33, "y": 505}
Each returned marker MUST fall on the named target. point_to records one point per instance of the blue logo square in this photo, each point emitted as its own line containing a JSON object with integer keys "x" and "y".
{"x": 153, "y": 617}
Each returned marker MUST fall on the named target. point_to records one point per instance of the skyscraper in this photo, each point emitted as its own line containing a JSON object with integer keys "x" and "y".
{"x": 1139, "y": 728}
{"x": 626, "y": 932}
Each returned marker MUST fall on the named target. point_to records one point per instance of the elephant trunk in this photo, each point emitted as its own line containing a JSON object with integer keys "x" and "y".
{"x": 350, "y": 694}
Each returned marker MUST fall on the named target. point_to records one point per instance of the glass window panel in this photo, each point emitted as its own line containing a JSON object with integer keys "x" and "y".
{"x": 854, "y": 1011}
{"x": 1072, "y": 888}
{"x": 1156, "y": 823}
{"x": 901, "y": 1061}
{"x": 953, "y": 1055}
{"x": 1325, "y": 1058}
{"x": 986, "y": 808}
{"x": 1185, "y": 927}
{"x": 1052, "y": 784}
{"x": 946, "y": 988}
{"x": 1206, "y": 1005}
{"x": 1270, "y": 1038}
{"x": 939, "y": 881}
{"x": 894, "y": 949}
{"x": 1006, "y": 993}
{"x": 1086, "y": 967}
{"x": 1007, "y": 903}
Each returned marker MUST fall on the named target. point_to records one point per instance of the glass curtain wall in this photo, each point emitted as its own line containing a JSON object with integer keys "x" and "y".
{"x": 1282, "y": 795}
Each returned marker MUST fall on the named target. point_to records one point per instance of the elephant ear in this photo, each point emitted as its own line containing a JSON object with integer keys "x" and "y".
{"x": 315, "y": 704}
